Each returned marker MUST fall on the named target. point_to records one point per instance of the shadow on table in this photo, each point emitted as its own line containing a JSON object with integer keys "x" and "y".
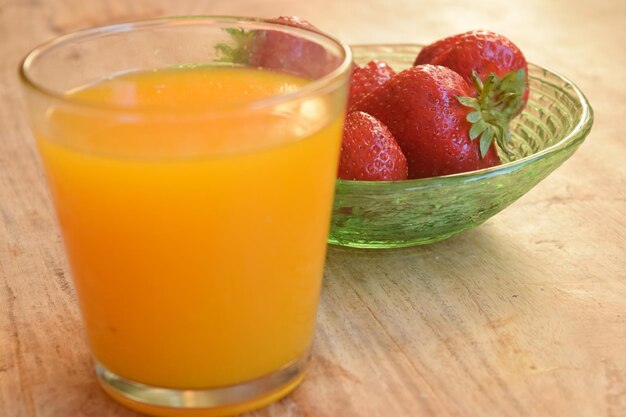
{"x": 480, "y": 255}
{"x": 474, "y": 312}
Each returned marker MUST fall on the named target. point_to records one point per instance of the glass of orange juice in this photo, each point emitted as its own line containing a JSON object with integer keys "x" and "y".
{"x": 192, "y": 166}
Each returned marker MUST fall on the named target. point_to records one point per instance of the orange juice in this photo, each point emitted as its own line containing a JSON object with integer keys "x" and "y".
{"x": 196, "y": 240}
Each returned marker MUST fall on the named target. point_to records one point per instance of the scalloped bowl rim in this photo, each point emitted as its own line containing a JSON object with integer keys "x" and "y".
{"x": 577, "y": 132}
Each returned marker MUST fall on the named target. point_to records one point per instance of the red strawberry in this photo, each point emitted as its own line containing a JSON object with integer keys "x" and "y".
{"x": 490, "y": 57}
{"x": 273, "y": 49}
{"x": 295, "y": 21}
{"x": 367, "y": 79}
{"x": 422, "y": 108}
{"x": 430, "y": 51}
{"x": 369, "y": 151}
{"x": 278, "y": 50}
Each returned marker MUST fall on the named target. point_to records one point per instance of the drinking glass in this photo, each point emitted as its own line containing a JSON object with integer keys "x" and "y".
{"x": 195, "y": 226}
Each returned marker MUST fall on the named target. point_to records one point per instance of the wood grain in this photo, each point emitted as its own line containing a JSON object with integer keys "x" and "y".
{"x": 523, "y": 316}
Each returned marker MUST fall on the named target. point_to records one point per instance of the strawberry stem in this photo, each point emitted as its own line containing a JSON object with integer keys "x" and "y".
{"x": 497, "y": 102}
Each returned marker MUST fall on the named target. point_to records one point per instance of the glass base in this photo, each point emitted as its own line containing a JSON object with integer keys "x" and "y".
{"x": 210, "y": 402}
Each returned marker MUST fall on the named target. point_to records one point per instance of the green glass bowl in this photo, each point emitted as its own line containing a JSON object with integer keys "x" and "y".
{"x": 373, "y": 214}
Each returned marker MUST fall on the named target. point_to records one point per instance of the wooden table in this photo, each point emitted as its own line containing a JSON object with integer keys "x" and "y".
{"x": 523, "y": 316}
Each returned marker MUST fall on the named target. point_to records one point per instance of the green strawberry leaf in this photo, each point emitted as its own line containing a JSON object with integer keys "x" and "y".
{"x": 507, "y": 93}
{"x": 469, "y": 102}
{"x": 477, "y": 128}
{"x": 474, "y": 116}
{"x": 477, "y": 81}
{"x": 224, "y": 49}
{"x": 485, "y": 141}
{"x": 490, "y": 82}
{"x": 497, "y": 102}
{"x": 237, "y": 49}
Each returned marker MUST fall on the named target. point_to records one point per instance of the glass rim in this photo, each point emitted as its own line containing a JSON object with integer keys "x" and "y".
{"x": 319, "y": 86}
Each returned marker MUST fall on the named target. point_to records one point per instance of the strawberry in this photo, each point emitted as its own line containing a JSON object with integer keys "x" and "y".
{"x": 281, "y": 51}
{"x": 295, "y": 21}
{"x": 367, "y": 79}
{"x": 369, "y": 151}
{"x": 428, "y": 111}
{"x": 482, "y": 57}
{"x": 276, "y": 50}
